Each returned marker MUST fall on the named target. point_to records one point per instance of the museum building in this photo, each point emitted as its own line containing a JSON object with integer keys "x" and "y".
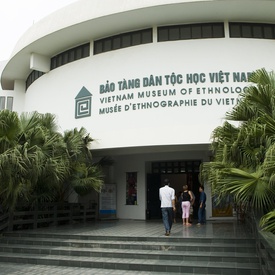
{"x": 149, "y": 80}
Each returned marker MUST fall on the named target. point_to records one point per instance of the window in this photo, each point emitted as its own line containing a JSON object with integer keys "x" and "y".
{"x": 32, "y": 77}
{"x": 175, "y": 167}
{"x": 131, "y": 188}
{"x": 3, "y": 105}
{"x": 2, "y": 102}
{"x": 9, "y": 103}
{"x": 107, "y": 46}
{"x": 117, "y": 44}
{"x": 98, "y": 47}
{"x": 62, "y": 59}
{"x": 174, "y": 34}
{"x": 146, "y": 36}
{"x": 70, "y": 56}
{"x": 252, "y": 30}
{"x": 163, "y": 34}
{"x": 123, "y": 40}
{"x": 79, "y": 52}
{"x": 192, "y": 31}
{"x": 136, "y": 38}
{"x": 185, "y": 32}
{"x": 196, "y": 32}
{"x": 126, "y": 41}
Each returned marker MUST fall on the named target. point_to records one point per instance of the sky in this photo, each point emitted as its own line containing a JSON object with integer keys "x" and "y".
{"x": 16, "y": 16}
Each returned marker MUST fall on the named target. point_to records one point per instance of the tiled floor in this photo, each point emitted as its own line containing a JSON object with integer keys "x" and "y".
{"x": 213, "y": 229}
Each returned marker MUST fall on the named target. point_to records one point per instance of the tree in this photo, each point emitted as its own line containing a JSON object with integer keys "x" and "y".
{"x": 38, "y": 164}
{"x": 244, "y": 155}
{"x": 84, "y": 175}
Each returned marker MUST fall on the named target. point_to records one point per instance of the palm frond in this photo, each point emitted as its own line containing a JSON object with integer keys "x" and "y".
{"x": 267, "y": 222}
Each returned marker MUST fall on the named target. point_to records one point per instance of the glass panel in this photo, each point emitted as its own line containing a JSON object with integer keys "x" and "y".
{"x": 206, "y": 31}
{"x": 136, "y": 38}
{"x": 9, "y": 103}
{"x": 65, "y": 57}
{"x": 116, "y": 43}
{"x": 32, "y": 77}
{"x": 53, "y": 63}
{"x": 131, "y": 188}
{"x": 2, "y": 102}
{"x": 78, "y": 53}
{"x": 163, "y": 171}
{"x": 36, "y": 74}
{"x": 146, "y": 36}
{"x": 162, "y": 34}
{"x": 28, "y": 83}
{"x": 107, "y": 45}
{"x": 71, "y": 55}
{"x": 247, "y": 31}
{"x": 196, "y": 31}
{"x": 59, "y": 60}
{"x": 155, "y": 164}
{"x": 176, "y": 170}
{"x": 218, "y": 30}
{"x": 268, "y": 32}
{"x": 86, "y": 50}
{"x": 169, "y": 170}
{"x": 257, "y": 31}
{"x": 174, "y": 33}
{"x": 98, "y": 47}
{"x": 169, "y": 167}
{"x": 126, "y": 40}
{"x": 182, "y": 169}
{"x": 185, "y": 32}
{"x": 235, "y": 30}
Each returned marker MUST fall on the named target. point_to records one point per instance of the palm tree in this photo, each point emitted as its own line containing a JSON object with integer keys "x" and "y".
{"x": 37, "y": 162}
{"x": 244, "y": 155}
{"x": 84, "y": 175}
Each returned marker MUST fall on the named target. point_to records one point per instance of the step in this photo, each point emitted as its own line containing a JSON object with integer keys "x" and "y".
{"x": 132, "y": 253}
{"x": 171, "y": 238}
{"x": 186, "y": 245}
{"x": 176, "y": 266}
{"x": 30, "y": 269}
{"x": 175, "y": 255}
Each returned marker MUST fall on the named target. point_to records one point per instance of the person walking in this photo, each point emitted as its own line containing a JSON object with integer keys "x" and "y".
{"x": 167, "y": 198}
{"x": 202, "y": 202}
{"x": 186, "y": 199}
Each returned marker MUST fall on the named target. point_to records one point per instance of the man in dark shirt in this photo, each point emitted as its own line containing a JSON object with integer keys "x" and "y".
{"x": 201, "y": 212}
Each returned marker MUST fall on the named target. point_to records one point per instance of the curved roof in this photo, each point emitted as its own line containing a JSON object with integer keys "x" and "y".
{"x": 87, "y": 20}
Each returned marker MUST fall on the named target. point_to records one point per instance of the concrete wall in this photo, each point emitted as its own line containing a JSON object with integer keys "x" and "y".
{"x": 190, "y": 84}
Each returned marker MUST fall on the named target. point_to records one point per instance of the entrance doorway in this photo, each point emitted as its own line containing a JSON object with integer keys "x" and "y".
{"x": 179, "y": 173}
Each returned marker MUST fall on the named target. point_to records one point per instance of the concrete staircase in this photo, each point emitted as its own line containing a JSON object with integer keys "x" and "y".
{"x": 170, "y": 255}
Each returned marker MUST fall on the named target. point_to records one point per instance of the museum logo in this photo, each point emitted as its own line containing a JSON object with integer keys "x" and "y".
{"x": 83, "y": 103}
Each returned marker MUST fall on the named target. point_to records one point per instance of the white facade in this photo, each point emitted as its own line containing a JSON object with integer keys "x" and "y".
{"x": 154, "y": 102}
